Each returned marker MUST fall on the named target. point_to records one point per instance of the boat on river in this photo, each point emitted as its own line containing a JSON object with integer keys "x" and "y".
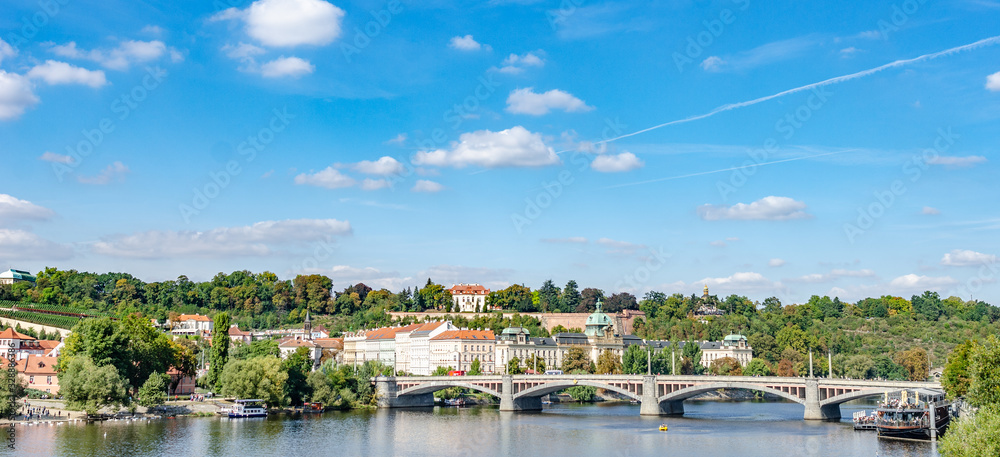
{"x": 248, "y": 408}
{"x": 864, "y": 421}
{"x": 914, "y": 414}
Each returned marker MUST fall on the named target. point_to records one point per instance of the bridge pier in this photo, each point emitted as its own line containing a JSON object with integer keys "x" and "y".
{"x": 813, "y": 409}
{"x": 650, "y": 404}
{"x": 509, "y": 403}
{"x": 386, "y": 390}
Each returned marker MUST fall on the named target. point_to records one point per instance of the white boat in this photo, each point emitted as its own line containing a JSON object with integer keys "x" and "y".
{"x": 248, "y": 408}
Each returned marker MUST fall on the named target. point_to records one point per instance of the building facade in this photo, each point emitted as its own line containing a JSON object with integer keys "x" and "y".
{"x": 457, "y": 349}
{"x": 12, "y": 276}
{"x": 469, "y": 298}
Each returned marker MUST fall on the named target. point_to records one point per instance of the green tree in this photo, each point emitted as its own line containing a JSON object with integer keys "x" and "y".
{"x": 859, "y": 367}
{"x": 915, "y": 363}
{"x": 441, "y": 371}
{"x": 570, "y": 296}
{"x": 634, "y": 360}
{"x": 885, "y": 368}
{"x": 154, "y": 391}
{"x": 475, "y": 369}
{"x": 86, "y": 386}
{"x": 548, "y": 296}
{"x": 297, "y": 366}
{"x": 691, "y": 363}
{"x": 726, "y": 366}
{"x": 757, "y": 367}
{"x": 261, "y": 378}
{"x": 973, "y": 435}
{"x": 662, "y": 362}
{"x": 220, "y": 351}
{"x": 956, "y": 377}
{"x": 514, "y": 366}
{"x": 608, "y": 363}
{"x": 533, "y": 362}
{"x": 984, "y": 390}
{"x": 12, "y": 389}
{"x": 575, "y": 359}
{"x": 583, "y": 394}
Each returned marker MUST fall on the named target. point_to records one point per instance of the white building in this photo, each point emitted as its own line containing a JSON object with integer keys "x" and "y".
{"x": 516, "y": 342}
{"x": 459, "y": 348}
{"x": 469, "y": 298}
{"x": 11, "y": 276}
{"x": 192, "y": 324}
{"x": 734, "y": 346}
{"x": 419, "y": 342}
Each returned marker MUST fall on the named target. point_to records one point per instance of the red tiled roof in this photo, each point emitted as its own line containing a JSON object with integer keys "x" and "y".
{"x": 10, "y": 333}
{"x": 48, "y": 344}
{"x": 297, "y": 343}
{"x": 471, "y": 335}
{"x": 37, "y": 365}
{"x": 193, "y": 317}
{"x": 235, "y": 331}
{"x": 429, "y": 326}
{"x": 330, "y": 343}
{"x": 468, "y": 289}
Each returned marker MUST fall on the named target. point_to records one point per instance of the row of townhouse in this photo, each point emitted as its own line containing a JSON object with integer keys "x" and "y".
{"x": 420, "y": 349}
{"x": 34, "y": 360}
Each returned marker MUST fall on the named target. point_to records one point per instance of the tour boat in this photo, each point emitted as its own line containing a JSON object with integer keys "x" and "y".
{"x": 864, "y": 421}
{"x": 454, "y": 402}
{"x": 248, "y": 408}
{"x": 920, "y": 414}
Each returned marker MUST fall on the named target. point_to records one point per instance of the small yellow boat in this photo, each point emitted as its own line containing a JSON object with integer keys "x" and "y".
{"x": 663, "y": 427}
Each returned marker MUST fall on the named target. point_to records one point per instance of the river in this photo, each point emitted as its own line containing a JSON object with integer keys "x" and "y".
{"x": 708, "y": 429}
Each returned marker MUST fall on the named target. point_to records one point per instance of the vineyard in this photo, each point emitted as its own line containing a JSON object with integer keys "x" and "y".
{"x": 52, "y": 320}
{"x": 52, "y": 309}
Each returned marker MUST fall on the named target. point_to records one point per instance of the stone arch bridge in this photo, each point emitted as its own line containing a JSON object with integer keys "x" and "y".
{"x": 658, "y": 395}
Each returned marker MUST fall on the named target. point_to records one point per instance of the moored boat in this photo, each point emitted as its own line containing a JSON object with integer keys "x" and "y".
{"x": 920, "y": 414}
{"x": 248, "y": 408}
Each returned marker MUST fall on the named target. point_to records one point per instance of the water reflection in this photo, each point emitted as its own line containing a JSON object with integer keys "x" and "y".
{"x": 708, "y": 429}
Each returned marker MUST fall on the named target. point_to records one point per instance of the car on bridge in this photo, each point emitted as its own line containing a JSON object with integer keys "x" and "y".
{"x": 456, "y": 373}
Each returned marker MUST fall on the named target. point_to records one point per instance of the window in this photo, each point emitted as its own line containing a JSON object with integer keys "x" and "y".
{"x": 31, "y": 379}
{"x": 48, "y": 379}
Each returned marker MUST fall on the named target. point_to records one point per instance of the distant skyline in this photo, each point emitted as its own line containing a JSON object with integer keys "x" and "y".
{"x": 781, "y": 149}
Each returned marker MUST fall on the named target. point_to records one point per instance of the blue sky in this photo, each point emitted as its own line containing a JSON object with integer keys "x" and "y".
{"x": 785, "y": 149}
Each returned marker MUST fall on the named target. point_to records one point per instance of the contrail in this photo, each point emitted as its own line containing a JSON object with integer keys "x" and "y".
{"x": 727, "y": 169}
{"x": 835, "y": 80}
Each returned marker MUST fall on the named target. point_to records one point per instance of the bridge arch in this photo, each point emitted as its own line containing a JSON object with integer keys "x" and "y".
{"x": 556, "y": 386}
{"x": 692, "y": 391}
{"x": 858, "y": 394}
{"x": 432, "y": 387}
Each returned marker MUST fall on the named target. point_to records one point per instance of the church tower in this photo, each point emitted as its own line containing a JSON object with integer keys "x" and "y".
{"x": 307, "y": 327}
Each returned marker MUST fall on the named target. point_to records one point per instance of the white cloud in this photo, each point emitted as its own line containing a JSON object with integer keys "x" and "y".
{"x": 993, "y": 82}
{"x": 371, "y": 277}
{"x": 56, "y": 158}
{"x": 572, "y": 239}
{"x": 329, "y": 178}
{"x": 514, "y": 147}
{"x": 119, "y": 58}
{"x": 768, "y": 208}
{"x": 914, "y": 284}
{"x": 6, "y": 50}
{"x": 526, "y": 101}
{"x": 16, "y": 95}
{"x": 13, "y": 208}
{"x": 243, "y": 51}
{"x": 743, "y": 283}
{"x": 965, "y": 258}
{"x": 152, "y": 30}
{"x": 834, "y": 275}
{"x": 286, "y": 66}
{"x": 23, "y": 245}
{"x": 423, "y": 185}
{"x": 776, "y": 262}
{"x": 399, "y": 139}
{"x": 952, "y": 161}
{"x": 718, "y": 243}
{"x": 849, "y": 52}
{"x": 114, "y": 172}
{"x": 616, "y": 163}
{"x": 53, "y": 72}
{"x": 515, "y": 64}
{"x": 712, "y": 64}
{"x": 374, "y": 184}
{"x": 384, "y": 166}
{"x": 465, "y": 43}
{"x": 285, "y": 23}
{"x": 930, "y": 211}
{"x": 252, "y": 240}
